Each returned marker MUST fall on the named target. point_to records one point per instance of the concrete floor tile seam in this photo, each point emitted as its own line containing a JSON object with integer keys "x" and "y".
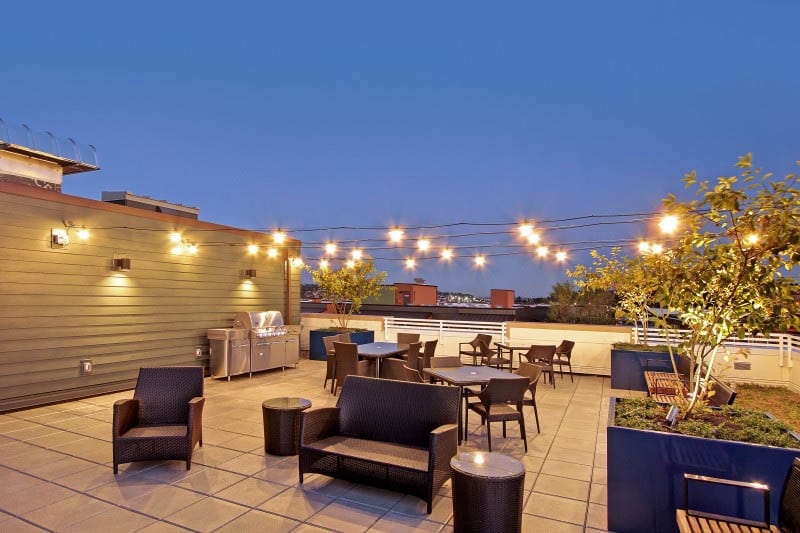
{"x": 582, "y": 500}
{"x": 27, "y": 521}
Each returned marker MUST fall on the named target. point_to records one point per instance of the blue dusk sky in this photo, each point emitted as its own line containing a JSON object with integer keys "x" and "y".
{"x": 319, "y": 114}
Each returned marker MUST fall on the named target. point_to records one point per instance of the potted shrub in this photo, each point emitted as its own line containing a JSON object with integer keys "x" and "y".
{"x": 722, "y": 276}
{"x": 346, "y": 287}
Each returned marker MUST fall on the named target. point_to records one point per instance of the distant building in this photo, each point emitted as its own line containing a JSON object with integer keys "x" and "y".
{"x": 502, "y": 298}
{"x": 415, "y": 294}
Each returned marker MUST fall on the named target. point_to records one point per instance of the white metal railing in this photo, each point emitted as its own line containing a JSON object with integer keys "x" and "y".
{"x": 442, "y": 327}
{"x": 788, "y": 345}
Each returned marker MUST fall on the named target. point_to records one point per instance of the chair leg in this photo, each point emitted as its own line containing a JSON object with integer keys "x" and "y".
{"x": 536, "y": 414}
{"x": 522, "y": 430}
{"x": 553, "y": 377}
{"x": 569, "y": 365}
{"x": 489, "y": 434}
{"x": 189, "y": 463}
{"x": 116, "y": 469}
{"x": 504, "y": 429}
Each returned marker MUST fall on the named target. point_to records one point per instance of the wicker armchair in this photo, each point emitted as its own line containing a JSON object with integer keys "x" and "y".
{"x": 563, "y": 357}
{"x": 428, "y": 352}
{"x": 413, "y": 359}
{"x": 491, "y": 357}
{"x": 393, "y": 434}
{"x": 533, "y": 372}
{"x": 407, "y": 338}
{"x": 347, "y": 363}
{"x": 413, "y": 375}
{"x": 445, "y": 361}
{"x": 494, "y": 405}
{"x": 163, "y": 420}
{"x": 330, "y": 372}
{"x": 474, "y": 346}
{"x": 543, "y": 356}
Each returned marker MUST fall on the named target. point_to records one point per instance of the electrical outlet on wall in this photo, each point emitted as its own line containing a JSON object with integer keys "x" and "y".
{"x": 86, "y": 367}
{"x": 198, "y": 352}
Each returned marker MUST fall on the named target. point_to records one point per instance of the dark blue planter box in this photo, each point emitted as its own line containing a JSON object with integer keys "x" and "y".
{"x": 318, "y": 347}
{"x": 628, "y": 366}
{"x": 645, "y": 477}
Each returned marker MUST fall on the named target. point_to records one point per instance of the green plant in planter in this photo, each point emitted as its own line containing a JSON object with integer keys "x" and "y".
{"x": 725, "y": 273}
{"x": 348, "y": 286}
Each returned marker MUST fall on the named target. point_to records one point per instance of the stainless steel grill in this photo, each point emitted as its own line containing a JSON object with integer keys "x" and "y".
{"x": 270, "y": 344}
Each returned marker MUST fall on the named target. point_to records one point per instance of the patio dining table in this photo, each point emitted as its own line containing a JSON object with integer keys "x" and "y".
{"x": 379, "y": 351}
{"x": 463, "y": 376}
{"x": 510, "y": 348}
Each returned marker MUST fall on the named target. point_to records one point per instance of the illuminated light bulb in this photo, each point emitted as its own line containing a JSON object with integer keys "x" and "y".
{"x": 396, "y": 235}
{"x": 175, "y": 237}
{"x": 297, "y": 261}
{"x": 356, "y": 254}
{"x": 177, "y": 250}
{"x": 656, "y": 248}
{"x": 525, "y": 229}
{"x": 750, "y": 239}
{"x": 479, "y": 458}
{"x": 644, "y": 247}
{"x": 252, "y": 249}
{"x": 272, "y": 252}
{"x": 480, "y": 261}
{"x": 561, "y": 256}
{"x": 350, "y": 263}
{"x": 83, "y": 234}
{"x": 278, "y": 237}
{"x": 447, "y": 254}
{"x": 534, "y": 238}
{"x": 423, "y": 245}
{"x": 542, "y": 251}
{"x": 668, "y": 224}
{"x": 410, "y": 263}
{"x": 323, "y": 264}
{"x": 191, "y": 249}
{"x": 330, "y": 248}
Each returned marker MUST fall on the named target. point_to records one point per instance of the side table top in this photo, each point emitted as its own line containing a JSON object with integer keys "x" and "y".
{"x": 487, "y": 465}
{"x": 286, "y": 404}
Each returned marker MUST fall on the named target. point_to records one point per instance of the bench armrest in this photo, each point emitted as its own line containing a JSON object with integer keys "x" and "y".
{"x": 195, "y": 423}
{"x": 126, "y": 415}
{"x": 443, "y": 445}
{"x": 472, "y": 348}
{"x": 764, "y": 489}
{"x": 317, "y": 424}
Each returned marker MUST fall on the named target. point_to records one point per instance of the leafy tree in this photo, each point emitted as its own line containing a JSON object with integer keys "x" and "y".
{"x": 588, "y": 306}
{"x": 631, "y": 280}
{"x": 348, "y": 286}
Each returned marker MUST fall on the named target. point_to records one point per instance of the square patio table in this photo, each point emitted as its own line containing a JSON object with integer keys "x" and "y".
{"x": 463, "y": 376}
{"x": 510, "y": 348}
{"x": 380, "y": 350}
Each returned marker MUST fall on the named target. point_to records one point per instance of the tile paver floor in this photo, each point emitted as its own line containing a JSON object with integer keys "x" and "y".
{"x": 55, "y": 468}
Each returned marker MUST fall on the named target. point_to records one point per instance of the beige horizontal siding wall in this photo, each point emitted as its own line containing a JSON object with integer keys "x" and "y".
{"x": 58, "y": 306}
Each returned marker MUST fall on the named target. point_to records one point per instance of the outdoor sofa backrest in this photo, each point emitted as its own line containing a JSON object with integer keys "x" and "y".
{"x": 395, "y": 411}
{"x": 164, "y": 393}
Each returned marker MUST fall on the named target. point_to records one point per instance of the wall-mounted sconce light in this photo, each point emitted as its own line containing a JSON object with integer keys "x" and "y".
{"x": 59, "y": 238}
{"x": 250, "y": 273}
{"x": 122, "y": 264}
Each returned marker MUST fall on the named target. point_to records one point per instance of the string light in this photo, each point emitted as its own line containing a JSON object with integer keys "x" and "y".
{"x": 668, "y": 224}
{"x": 656, "y": 248}
{"x": 330, "y": 248}
{"x": 447, "y": 254}
{"x": 278, "y": 237}
{"x": 525, "y": 229}
{"x": 396, "y": 235}
{"x": 561, "y": 256}
{"x": 252, "y": 249}
{"x": 323, "y": 264}
{"x": 191, "y": 249}
{"x": 297, "y": 262}
{"x": 480, "y": 261}
{"x": 272, "y": 252}
{"x": 423, "y": 245}
{"x": 350, "y": 263}
{"x": 177, "y": 250}
{"x": 410, "y": 263}
{"x": 534, "y": 238}
{"x": 644, "y": 247}
{"x": 542, "y": 251}
{"x": 752, "y": 238}
{"x": 175, "y": 237}
{"x": 356, "y": 254}
{"x": 83, "y": 234}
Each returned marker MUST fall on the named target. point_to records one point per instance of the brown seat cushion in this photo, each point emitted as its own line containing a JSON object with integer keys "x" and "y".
{"x": 149, "y": 432}
{"x": 499, "y": 411}
{"x": 386, "y": 453}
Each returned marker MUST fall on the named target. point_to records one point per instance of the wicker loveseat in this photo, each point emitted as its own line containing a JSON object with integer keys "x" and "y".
{"x": 394, "y": 434}
{"x": 164, "y": 420}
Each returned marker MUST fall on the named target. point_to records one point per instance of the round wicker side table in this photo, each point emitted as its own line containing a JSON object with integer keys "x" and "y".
{"x": 282, "y": 424}
{"x": 487, "y": 492}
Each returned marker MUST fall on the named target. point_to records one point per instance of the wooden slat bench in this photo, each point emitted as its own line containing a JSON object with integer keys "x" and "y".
{"x": 689, "y": 523}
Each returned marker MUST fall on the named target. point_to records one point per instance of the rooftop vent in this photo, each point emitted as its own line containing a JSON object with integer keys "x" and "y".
{"x": 149, "y": 204}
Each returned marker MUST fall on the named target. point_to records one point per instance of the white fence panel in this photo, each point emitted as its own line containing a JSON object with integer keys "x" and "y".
{"x": 449, "y": 333}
